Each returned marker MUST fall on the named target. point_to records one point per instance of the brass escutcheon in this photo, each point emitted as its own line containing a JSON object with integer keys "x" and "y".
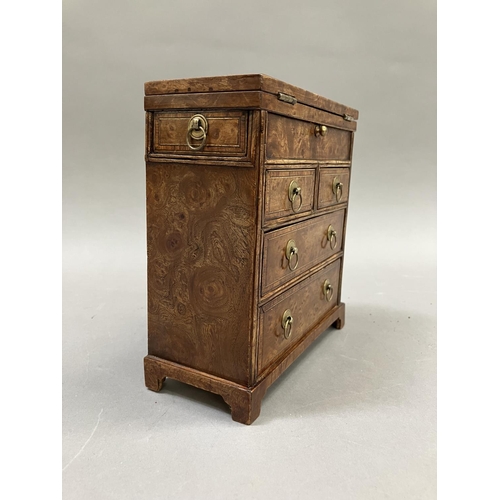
{"x": 331, "y": 235}
{"x": 328, "y": 290}
{"x": 320, "y": 130}
{"x": 197, "y": 130}
{"x": 287, "y": 322}
{"x": 337, "y": 188}
{"x": 290, "y": 252}
{"x": 295, "y": 192}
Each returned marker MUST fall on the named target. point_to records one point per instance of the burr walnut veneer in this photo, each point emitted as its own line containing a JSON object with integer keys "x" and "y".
{"x": 247, "y": 192}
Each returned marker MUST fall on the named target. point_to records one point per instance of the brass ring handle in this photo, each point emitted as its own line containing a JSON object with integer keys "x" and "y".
{"x": 328, "y": 290}
{"x": 290, "y": 252}
{"x": 295, "y": 193}
{"x": 331, "y": 235}
{"x": 287, "y": 323}
{"x": 189, "y": 134}
{"x": 337, "y": 188}
{"x": 197, "y": 130}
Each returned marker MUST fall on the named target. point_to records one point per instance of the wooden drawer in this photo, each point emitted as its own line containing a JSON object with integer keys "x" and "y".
{"x": 306, "y": 303}
{"x": 296, "y": 140}
{"x": 282, "y": 198}
{"x": 314, "y": 240}
{"x": 226, "y": 133}
{"x": 333, "y": 186}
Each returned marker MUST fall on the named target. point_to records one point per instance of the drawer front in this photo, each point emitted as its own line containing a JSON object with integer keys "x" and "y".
{"x": 333, "y": 186}
{"x": 223, "y": 133}
{"x": 286, "y": 319}
{"x": 298, "y": 140}
{"x": 288, "y": 193}
{"x": 293, "y": 250}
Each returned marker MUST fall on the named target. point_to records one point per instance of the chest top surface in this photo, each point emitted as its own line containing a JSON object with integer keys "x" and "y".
{"x": 255, "y": 83}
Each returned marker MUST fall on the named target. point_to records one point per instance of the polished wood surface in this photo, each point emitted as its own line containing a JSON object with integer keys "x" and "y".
{"x": 269, "y": 102}
{"x": 227, "y": 135}
{"x": 247, "y": 100}
{"x": 307, "y": 303}
{"x": 278, "y": 203}
{"x": 327, "y": 195}
{"x": 218, "y": 277}
{"x": 232, "y": 83}
{"x": 311, "y": 239}
{"x": 244, "y": 402}
{"x": 296, "y": 139}
{"x": 201, "y": 224}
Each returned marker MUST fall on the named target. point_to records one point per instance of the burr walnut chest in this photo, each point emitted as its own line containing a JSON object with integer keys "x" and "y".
{"x": 247, "y": 183}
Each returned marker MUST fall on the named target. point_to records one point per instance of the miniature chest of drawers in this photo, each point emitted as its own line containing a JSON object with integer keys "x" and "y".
{"x": 247, "y": 183}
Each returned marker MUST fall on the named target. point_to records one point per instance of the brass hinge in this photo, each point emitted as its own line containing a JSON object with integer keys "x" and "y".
{"x": 287, "y": 98}
{"x": 348, "y": 118}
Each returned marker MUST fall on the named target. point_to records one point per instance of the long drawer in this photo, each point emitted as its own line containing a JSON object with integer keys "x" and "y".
{"x": 291, "y": 251}
{"x": 287, "y": 318}
{"x": 300, "y": 140}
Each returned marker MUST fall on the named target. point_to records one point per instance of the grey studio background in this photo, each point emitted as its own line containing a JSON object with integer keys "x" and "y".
{"x": 355, "y": 417}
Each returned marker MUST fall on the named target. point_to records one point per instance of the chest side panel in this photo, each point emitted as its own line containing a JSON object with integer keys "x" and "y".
{"x": 201, "y": 224}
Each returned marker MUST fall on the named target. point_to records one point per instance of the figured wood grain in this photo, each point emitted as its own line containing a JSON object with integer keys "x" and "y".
{"x": 311, "y": 240}
{"x": 305, "y": 113}
{"x": 208, "y": 160}
{"x": 245, "y": 403}
{"x": 214, "y": 295}
{"x": 260, "y": 159}
{"x": 287, "y": 163}
{"x": 273, "y": 224}
{"x": 287, "y": 284}
{"x": 278, "y": 203}
{"x": 246, "y": 100}
{"x": 237, "y": 100}
{"x": 229, "y": 83}
{"x": 307, "y": 303}
{"x": 226, "y": 135}
{"x": 306, "y": 97}
{"x": 233, "y": 83}
{"x": 269, "y": 375}
{"x": 295, "y": 139}
{"x": 326, "y": 194}
{"x": 148, "y": 132}
{"x": 201, "y": 224}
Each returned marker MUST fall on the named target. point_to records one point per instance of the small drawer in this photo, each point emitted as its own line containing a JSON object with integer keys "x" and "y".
{"x": 298, "y": 140}
{"x": 287, "y": 318}
{"x": 333, "y": 186}
{"x": 288, "y": 193}
{"x": 293, "y": 250}
{"x": 215, "y": 133}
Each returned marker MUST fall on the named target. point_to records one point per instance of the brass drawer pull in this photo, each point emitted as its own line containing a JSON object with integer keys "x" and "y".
{"x": 197, "y": 130}
{"x": 320, "y": 130}
{"x": 328, "y": 290}
{"x": 337, "y": 188}
{"x": 331, "y": 235}
{"x": 295, "y": 193}
{"x": 287, "y": 323}
{"x": 290, "y": 252}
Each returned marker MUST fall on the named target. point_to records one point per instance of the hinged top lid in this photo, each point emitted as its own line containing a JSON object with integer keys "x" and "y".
{"x": 263, "y": 83}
